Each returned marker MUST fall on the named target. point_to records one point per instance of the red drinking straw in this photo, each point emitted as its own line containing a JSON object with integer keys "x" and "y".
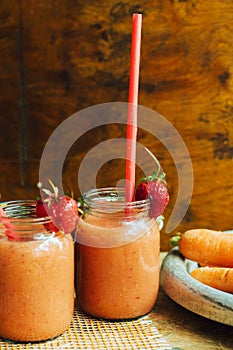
{"x": 131, "y": 131}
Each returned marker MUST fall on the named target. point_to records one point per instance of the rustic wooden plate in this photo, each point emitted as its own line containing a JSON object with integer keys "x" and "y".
{"x": 203, "y": 300}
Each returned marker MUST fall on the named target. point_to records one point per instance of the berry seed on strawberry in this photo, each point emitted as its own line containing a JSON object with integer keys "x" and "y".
{"x": 63, "y": 210}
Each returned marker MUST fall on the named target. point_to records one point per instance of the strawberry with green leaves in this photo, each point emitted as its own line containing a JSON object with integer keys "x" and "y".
{"x": 155, "y": 188}
{"x": 63, "y": 210}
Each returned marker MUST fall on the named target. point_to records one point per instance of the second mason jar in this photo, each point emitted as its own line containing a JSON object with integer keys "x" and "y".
{"x": 117, "y": 256}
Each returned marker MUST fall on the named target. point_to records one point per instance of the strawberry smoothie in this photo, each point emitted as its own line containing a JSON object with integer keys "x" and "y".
{"x": 36, "y": 284}
{"x": 117, "y": 263}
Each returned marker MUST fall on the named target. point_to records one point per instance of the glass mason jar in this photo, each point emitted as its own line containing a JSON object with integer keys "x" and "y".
{"x": 117, "y": 248}
{"x": 36, "y": 275}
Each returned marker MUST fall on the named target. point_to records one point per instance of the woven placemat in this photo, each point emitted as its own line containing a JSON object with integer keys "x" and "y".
{"x": 89, "y": 333}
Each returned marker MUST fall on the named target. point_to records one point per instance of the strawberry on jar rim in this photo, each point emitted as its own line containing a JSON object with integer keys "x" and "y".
{"x": 153, "y": 188}
{"x": 63, "y": 210}
{"x": 42, "y": 212}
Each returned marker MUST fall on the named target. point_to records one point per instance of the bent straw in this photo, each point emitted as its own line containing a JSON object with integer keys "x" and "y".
{"x": 131, "y": 131}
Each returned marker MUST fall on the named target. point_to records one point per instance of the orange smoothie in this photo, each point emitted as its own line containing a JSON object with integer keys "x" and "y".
{"x": 36, "y": 287}
{"x": 117, "y": 266}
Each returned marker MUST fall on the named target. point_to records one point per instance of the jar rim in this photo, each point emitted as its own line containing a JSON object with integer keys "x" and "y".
{"x": 115, "y": 195}
{"x": 9, "y": 207}
{"x": 20, "y": 222}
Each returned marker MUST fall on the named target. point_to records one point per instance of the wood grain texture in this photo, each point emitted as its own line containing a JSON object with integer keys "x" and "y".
{"x": 185, "y": 330}
{"x": 60, "y": 57}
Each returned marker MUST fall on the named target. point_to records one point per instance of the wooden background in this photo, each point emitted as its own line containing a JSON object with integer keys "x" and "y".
{"x": 59, "y": 57}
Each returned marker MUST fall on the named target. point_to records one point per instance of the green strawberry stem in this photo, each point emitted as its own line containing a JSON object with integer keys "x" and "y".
{"x": 174, "y": 241}
{"x": 80, "y": 206}
{"x": 52, "y": 196}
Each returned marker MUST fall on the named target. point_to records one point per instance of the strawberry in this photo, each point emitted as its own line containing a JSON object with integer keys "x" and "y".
{"x": 41, "y": 212}
{"x": 63, "y": 210}
{"x": 155, "y": 188}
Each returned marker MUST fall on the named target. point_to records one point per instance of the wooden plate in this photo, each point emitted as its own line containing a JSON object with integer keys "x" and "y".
{"x": 203, "y": 300}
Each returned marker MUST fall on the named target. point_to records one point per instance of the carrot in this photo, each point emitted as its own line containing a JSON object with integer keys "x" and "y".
{"x": 208, "y": 247}
{"x": 217, "y": 277}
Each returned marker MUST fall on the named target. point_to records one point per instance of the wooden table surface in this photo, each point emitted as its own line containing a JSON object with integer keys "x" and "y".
{"x": 185, "y": 330}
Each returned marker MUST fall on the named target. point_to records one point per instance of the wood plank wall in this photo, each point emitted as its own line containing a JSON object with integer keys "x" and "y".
{"x": 59, "y": 57}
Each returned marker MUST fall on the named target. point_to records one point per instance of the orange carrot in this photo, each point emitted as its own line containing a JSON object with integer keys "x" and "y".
{"x": 208, "y": 247}
{"x": 217, "y": 277}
